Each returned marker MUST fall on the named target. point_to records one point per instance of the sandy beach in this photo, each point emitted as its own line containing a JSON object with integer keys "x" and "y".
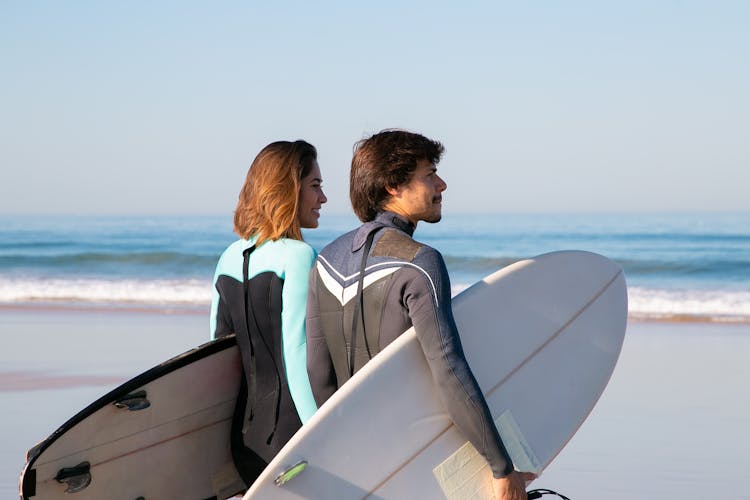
{"x": 671, "y": 424}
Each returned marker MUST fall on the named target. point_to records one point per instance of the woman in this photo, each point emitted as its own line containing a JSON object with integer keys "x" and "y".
{"x": 260, "y": 294}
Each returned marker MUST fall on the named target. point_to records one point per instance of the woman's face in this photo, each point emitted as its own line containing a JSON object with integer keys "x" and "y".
{"x": 311, "y": 198}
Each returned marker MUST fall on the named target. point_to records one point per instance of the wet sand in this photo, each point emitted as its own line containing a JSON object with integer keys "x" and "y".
{"x": 671, "y": 424}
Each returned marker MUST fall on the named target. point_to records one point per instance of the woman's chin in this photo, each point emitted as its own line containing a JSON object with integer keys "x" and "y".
{"x": 309, "y": 224}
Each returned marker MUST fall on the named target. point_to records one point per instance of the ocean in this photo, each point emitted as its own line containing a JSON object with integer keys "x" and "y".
{"x": 87, "y": 303}
{"x": 679, "y": 267}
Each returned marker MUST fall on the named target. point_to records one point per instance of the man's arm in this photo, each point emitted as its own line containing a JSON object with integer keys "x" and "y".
{"x": 428, "y": 301}
{"x": 319, "y": 365}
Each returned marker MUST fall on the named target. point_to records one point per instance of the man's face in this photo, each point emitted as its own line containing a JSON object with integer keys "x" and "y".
{"x": 420, "y": 198}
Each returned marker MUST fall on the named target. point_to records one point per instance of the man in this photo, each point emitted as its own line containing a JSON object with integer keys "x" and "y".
{"x": 399, "y": 282}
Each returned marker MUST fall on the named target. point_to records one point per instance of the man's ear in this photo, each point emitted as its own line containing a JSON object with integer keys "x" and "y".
{"x": 392, "y": 190}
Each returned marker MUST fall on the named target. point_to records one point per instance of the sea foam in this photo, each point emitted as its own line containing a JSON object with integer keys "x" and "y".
{"x": 106, "y": 292}
{"x": 643, "y": 303}
{"x": 681, "y": 305}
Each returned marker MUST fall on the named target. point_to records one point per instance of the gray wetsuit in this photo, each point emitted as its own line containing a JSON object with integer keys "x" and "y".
{"x": 405, "y": 283}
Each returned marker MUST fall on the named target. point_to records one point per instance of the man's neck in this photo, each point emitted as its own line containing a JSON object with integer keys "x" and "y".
{"x": 396, "y": 209}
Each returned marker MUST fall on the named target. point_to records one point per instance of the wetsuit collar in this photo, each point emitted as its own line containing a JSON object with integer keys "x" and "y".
{"x": 383, "y": 219}
{"x": 249, "y": 242}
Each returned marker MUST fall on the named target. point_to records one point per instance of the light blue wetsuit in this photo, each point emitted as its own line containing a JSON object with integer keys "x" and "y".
{"x": 266, "y": 310}
{"x": 290, "y": 260}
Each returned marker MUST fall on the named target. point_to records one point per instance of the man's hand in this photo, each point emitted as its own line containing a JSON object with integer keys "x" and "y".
{"x": 512, "y": 486}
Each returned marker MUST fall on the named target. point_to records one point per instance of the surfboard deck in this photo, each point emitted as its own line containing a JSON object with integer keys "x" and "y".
{"x": 542, "y": 337}
{"x": 164, "y": 434}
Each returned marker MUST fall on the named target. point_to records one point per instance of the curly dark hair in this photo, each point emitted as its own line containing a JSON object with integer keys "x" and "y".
{"x": 387, "y": 159}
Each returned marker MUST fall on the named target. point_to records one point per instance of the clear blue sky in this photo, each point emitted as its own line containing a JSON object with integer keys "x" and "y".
{"x": 543, "y": 106}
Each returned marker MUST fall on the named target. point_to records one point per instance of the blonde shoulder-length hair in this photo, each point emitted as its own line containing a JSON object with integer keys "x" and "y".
{"x": 267, "y": 206}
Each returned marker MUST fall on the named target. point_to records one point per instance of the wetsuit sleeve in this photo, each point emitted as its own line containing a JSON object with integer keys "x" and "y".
{"x": 429, "y": 304}
{"x": 319, "y": 364}
{"x": 214, "y": 309}
{"x": 218, "y": 326}
{"x": 294, "y": 300}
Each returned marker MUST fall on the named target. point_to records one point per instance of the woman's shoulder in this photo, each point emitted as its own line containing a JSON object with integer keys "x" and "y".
{"x": 233, "y": 249}
{"x": 290, "y": 245}
{"x": 288, "y": 249}
{"x": 230, "y": 260}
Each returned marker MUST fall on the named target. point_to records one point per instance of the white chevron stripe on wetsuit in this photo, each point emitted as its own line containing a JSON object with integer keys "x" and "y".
{"x": 345, "y": 294}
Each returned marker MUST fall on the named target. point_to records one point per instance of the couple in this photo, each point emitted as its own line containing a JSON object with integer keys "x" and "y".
{"x": 298, "y": 342}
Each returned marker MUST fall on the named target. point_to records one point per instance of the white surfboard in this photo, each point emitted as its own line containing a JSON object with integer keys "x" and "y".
{"x": 542, "y": 337}
{"x": 164, "y": 434}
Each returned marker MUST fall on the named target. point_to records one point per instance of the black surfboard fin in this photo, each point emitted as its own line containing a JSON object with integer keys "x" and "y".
{"x": 77, "y": 478}
{"x": 133, "y": 402}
